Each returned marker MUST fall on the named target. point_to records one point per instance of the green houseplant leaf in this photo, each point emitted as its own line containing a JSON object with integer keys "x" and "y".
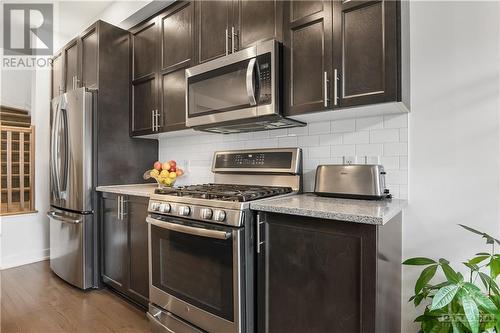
{"x": 444, "y": 296}
{"x": 471, "y": 312}
{"x": 419, "y": 261}
{"x": 426, "y": 275}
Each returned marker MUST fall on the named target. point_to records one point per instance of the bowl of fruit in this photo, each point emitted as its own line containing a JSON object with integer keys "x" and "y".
{"x": 165, "y": 174}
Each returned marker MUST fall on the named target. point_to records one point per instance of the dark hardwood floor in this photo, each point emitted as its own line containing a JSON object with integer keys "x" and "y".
{"x": 33, "y": 299}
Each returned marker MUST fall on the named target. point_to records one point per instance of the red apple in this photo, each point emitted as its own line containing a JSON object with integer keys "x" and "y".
{"x": 166, "y": 166}
{"x": 157, "y": 165}
{"x": 172, "y": 163}
{"x": 179, "y": 172}
{"x": 172, "y": 168}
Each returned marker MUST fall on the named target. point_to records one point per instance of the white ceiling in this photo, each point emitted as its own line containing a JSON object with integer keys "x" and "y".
{"x": 72, "y": 17}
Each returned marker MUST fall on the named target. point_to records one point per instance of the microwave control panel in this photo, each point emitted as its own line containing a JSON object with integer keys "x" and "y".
{"x": 265, "y": 79}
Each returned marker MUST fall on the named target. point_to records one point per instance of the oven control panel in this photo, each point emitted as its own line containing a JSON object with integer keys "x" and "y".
{"x": 197, "y": 212}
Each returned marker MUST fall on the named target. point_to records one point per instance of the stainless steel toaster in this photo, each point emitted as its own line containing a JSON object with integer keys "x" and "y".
{"x": 358, "y": 181}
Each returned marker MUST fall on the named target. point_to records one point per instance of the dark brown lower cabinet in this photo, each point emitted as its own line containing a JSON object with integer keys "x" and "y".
{"x": 320, "y": 276}
{"x": 124, "y": 246}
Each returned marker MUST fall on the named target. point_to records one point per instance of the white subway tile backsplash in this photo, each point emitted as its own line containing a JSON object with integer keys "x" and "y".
{"x": 319, "y": 128}
{"x": 384, "y": 135}
{"x": 390, "y": 162}
{"x": 308, "y": 141}
{"x": 381, "y": 138}
{"x": 344, "y": 125}
{"x": 319, "y": 152}
{"x": 369, "y": 149}
{"x": 396, "y": 121}
{"x": 342, "y": 150}
{"x": 396, "y": 149}
{"x": 330, "y": 139}
{"x": 369, "y": 123}
{"x": 403, "y": 135}
{"x": 298, "y": 130}
{"x": 287, "y": 141}
{"x": 356, "y": 137}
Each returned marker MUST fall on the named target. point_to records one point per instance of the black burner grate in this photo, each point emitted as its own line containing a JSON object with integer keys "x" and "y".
{"x": 225, "y": 192}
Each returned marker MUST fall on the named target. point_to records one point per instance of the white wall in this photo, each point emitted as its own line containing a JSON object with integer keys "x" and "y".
{"x": 454, "y": 131}
{"x": 381, "y": 138}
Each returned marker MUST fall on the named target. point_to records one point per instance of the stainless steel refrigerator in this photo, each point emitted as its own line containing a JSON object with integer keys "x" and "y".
{"x": 72, "y": 214}
{"x": 90, "y": 146}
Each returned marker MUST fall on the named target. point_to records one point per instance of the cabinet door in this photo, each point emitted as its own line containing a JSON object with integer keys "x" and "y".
{"x": 138, "y": 277}
{"x": 257, "y": 20}
{"x": 89, "y": 58}
{"x": 113, "y": 243}
{"x": 144, "y": 77}
{"x": 71, "y": 64}
{"x": 57, "y": 75}
{"x": 366, "y": 34}
{"x": 308, "y": 56}
{"x": 213, "y": 22}
{"x": 177, "y": 54}
{"x": 316, "y": 276}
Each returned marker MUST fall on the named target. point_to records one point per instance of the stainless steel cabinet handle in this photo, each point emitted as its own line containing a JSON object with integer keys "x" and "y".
{"x": 325, "y": 85}
{"x": 153, "y": 120}
{"x": 259, "y": 223}
{"x": 157, "y": 120}
{"x": 209, "y": 233}
{"x": 335, "y": 87}
{"x": 233, "y": 40}
{"x": 57, "y": 217}
{"x": 118, "y": 206}
{"x": 227, "y": 42}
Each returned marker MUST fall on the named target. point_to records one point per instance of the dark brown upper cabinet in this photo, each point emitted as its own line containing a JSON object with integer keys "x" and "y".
{"x": 177, "y": 53}
{"x": 256, "y": 20}
{"x": 77, "y": 64}
{"x": 367, "y": 41}
{"x": 71, "y": 64}
{"x": 57, "y": 75}
{"x": 144, "y": 108}
{"x": 162, "y": 48}
{"x": 214, "y": 29}
{"x": 308, "y": 70}
{"x": 340, "y": 54}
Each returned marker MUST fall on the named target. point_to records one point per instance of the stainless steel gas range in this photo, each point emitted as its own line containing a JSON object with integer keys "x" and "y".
{"x": 203, "y": 239}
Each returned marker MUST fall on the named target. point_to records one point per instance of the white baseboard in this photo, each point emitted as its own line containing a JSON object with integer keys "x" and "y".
{"x": 24, "y": 259}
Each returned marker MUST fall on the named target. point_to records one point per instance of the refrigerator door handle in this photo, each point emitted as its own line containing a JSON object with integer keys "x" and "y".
{"x": 54, "y": 146}
{"x": 64, "y": 183}
{"x": 61, "y": 218}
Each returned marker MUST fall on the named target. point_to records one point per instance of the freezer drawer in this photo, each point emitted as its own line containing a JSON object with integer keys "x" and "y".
{"x": 71, "y": 247}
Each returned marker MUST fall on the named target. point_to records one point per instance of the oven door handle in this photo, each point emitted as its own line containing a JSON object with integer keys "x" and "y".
{"x": 250, "y": 82}
{"x": 188, "y": 229}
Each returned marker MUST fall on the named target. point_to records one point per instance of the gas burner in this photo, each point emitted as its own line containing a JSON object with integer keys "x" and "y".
{"x": 225, "y": 192}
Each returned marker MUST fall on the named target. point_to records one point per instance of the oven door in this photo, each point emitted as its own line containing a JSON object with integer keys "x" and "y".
{"x": 195, "y": 272}
{"x": 235, "y": 87}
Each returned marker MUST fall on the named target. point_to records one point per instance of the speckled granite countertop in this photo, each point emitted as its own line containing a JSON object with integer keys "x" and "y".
{"x": 359, "y": 211}
{"x": 141, "y": 190}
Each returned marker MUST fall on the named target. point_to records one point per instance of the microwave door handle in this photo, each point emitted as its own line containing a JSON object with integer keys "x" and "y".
{"x": 250, "y": 82}
{"x": 188, "y": 229}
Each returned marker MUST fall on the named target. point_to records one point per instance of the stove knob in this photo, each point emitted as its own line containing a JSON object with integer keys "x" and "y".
{"x": 155, "y": 206}
{"x": 164, "y": 208}
{"x": 220, "y": 215}
{"x": 206, "y": 213}
{"x": 184, "y": 210}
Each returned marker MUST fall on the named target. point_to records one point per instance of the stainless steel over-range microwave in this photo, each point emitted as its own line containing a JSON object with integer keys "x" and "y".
{"x": 238, "y": 92}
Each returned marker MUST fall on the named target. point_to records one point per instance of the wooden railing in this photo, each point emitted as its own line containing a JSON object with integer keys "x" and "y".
{"x": 17, "y": 171}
